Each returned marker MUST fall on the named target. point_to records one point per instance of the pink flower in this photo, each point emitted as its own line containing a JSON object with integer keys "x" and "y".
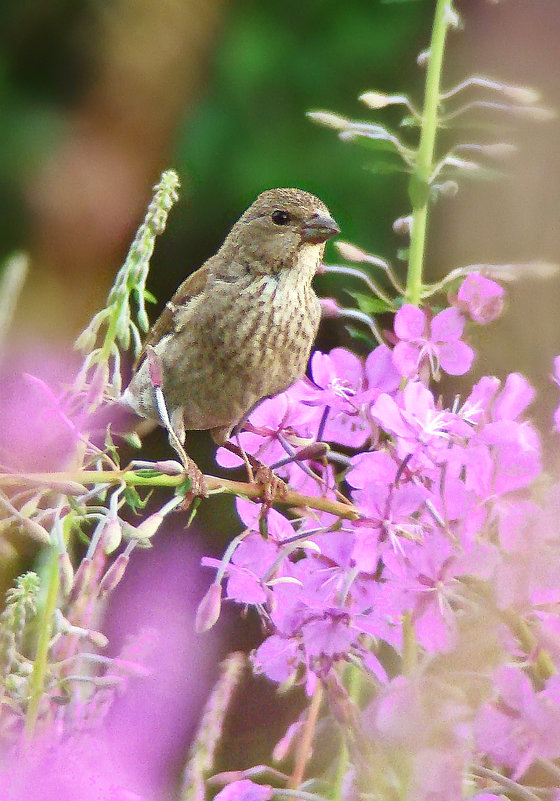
{"x": 437, "y": 343}
{"x": 481, "y": 298}
{"x": 419, "y": 427}
{"x": 281, "y": 416}
{"x": 520, "y": 724}
{"x": 338, "y": 384}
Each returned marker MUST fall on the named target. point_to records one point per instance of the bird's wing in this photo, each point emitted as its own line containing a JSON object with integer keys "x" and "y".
{"x": 166, "y": 322}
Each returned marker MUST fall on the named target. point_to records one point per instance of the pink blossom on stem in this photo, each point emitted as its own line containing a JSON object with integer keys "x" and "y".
{"x": 436, "y": 342}
{"x": 481, "y": 298}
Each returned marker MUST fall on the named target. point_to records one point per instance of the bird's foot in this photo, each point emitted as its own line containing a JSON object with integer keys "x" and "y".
{"x": 198, "y": 487}
{"x": 273, "y": 488}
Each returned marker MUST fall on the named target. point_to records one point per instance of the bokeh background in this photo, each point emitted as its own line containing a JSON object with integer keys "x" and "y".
{"x": 96, "y": 98}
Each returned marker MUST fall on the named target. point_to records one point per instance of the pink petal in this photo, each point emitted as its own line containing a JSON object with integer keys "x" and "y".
{"x": 456, "y": 358}
{"x": 386, "y": 412}
{"x": 410, "y": 322}
{"x": 514, "y": 398}
{"x": 322, "y": 369}
{"x": 380, "y": 370}
{"x": 447, "y": 325}
{"x": 348, "y": 366}
{"x": 406, "y": 358}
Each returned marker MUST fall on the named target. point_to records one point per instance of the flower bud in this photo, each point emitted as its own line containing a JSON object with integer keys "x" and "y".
{"x": 113, "y": 575}
{"x": 112, "y": 536}
{"x": 375, "y": 100}
{"x": 66, "y": 573}
{"x": 350, "y": 252}
{"x": 209, "y": 609}
{"x": 147, "y": 527}
{"x": 330, "y": 120}
{"x": 403, "y": 225}
{"x": 329, "y": 308}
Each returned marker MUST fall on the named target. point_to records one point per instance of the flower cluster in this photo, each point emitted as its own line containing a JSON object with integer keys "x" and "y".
{"x": 448, "y": 569}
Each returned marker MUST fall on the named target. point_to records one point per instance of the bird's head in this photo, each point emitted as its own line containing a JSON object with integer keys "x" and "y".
{"x": 279, "y": 227}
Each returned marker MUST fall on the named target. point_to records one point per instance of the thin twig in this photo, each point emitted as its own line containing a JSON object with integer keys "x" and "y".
{"x": 130, "y": 478}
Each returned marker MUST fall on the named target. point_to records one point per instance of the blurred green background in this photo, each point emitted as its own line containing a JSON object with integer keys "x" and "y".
{"x": 96, "y": 98}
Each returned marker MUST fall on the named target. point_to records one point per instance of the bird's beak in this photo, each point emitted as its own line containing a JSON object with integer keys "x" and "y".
{"x": 319, "y": 228}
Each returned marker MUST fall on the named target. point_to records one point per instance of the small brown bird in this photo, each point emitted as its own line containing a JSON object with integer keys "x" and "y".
{"x": 240, "y": 328}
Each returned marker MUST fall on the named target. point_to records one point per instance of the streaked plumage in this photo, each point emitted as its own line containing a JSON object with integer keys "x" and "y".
{"x": 241, "y": 327}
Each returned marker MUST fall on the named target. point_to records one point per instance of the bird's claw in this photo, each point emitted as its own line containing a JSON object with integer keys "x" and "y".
{"x": 273, "y": 488}
{"x": 198, "y": 487}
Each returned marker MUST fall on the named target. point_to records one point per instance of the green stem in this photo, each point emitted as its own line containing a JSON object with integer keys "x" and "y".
{"x": 71, "y": 482}
{"x": 419, "y": 188}
{"x": 37, "y": 682}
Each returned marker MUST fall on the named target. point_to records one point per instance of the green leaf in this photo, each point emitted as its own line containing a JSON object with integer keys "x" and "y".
{"x": 409, "y": 122}
{"x": 148, "y": 472}
{"x": 375, "y": 143}
{"x": 362, "y": 336}
{"x": 194, "y": 509}
{"x": 184, "y": 487}
{"x": 369, "y": 304}
{"x": 387, "y": 166}
{"x": 149, "y": 297}
{"x": 133, "y": 440}
{"x": 133, "y": 499}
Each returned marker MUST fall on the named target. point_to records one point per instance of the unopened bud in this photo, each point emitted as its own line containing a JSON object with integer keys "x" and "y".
{"x": 112, "y": 536}
{"x": 499, "y": 150}
{"x": 452, "y": 18}
{"x": 403, "y": 225}
{"x": 169, "y": 467}
{"x": 329, "y": 308}
{"x": 147, "y": 527}
{"x": 209, "y": 609}
{"x": 97, "y": 638}
{"x": 448, "y": 188}
{"x": 113, "y": 575}
{"x": 143, "y": 320}
{"x": 522, "y": 94}
{"x": 329, "y": 120}
{"x": 314, "y": 451}
{"x": 350, "y": 252}
{"x": 86, "y": 341}
{"x": 375, "y": 100}
{"x": 66, "y": 573}
{"x": 423, "y": 58}
{"x": 82, "y": 576}
{"x": 133, "y": 439}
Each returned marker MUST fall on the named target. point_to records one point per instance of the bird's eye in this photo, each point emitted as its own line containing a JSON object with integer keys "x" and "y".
{"x": 280, "y": 217}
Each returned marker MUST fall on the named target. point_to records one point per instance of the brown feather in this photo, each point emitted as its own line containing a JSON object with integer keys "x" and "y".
{"x": 192, "y": 286}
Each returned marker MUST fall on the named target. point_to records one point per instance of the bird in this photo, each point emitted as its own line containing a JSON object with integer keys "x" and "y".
{"x": 239, "y": 329}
